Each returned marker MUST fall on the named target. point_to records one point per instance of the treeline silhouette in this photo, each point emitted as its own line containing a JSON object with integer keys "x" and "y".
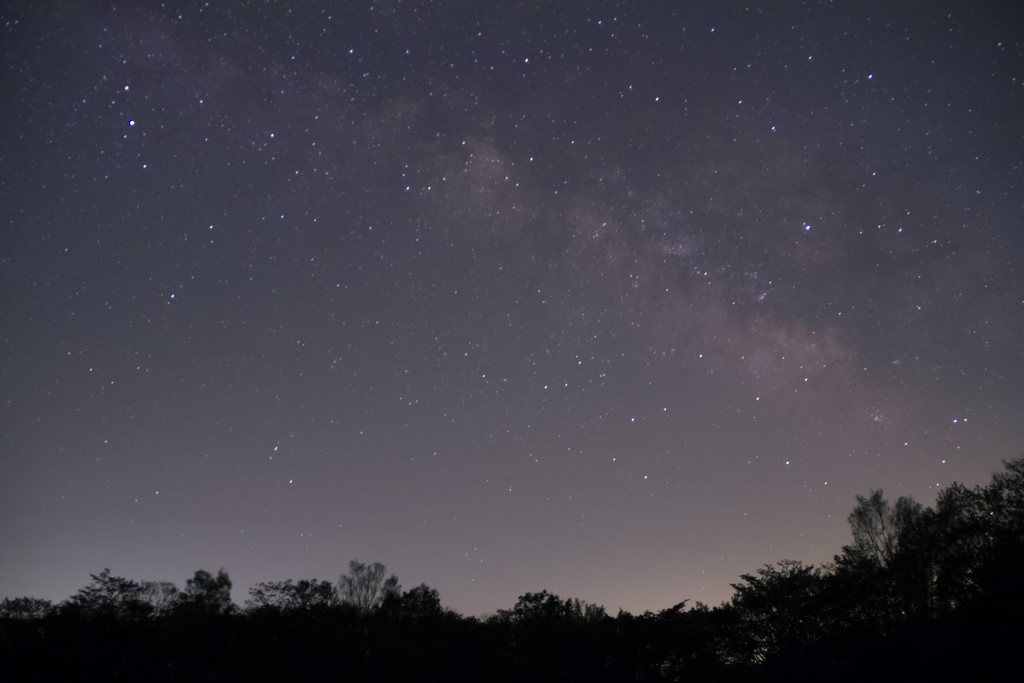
{"x": 920, "y": 593}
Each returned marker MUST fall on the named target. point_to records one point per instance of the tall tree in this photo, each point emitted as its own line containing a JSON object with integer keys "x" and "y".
{"x": 364, "y": 587}
{"x": 779, "y": 607}
{"x": 420, "y": 603}
{"x": 110, "y": 596}
{"x": 160, "y": 595}
{"x": 534, "y": 608}
{"x": 205, "y": 594}
{"x": 877, "y": 526}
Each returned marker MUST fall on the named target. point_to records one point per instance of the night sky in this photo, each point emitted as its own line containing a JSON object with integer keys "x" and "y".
{"x": 612, "y": 300}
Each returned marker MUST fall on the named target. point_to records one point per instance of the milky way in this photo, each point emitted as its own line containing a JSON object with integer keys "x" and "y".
{"x": 618, "y": 303}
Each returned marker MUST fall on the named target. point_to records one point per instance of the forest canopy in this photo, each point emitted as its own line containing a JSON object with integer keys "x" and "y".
{"x": 922, "y": 589}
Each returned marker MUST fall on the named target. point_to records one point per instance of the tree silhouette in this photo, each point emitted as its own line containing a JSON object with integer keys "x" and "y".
{"x": 534, "y": 608}
{"x": 286, "y": 595}
{"x": 959, "y": 551}
{"x": 420, "y": 603}
{"x": 921, "y": 592}
{"x": 110, "y": 597}
{"x": 779, "y": 608}
{"x": 160, "y": 595}
{"x": 25, "y": 608}
{"x": 364, "y": 587}
{"x": 205, "y": 594}
{"x": 548, "y": 608}
{"x": 877, "y": 527}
